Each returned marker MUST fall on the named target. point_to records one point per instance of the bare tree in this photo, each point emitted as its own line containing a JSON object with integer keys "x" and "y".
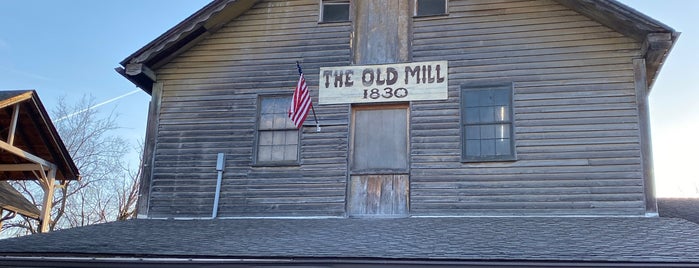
{"x": 127, "y": 192}
{"x": 109, "y": 186}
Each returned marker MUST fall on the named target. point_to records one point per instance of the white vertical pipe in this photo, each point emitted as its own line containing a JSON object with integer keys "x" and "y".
{"x": 220, "y": 163}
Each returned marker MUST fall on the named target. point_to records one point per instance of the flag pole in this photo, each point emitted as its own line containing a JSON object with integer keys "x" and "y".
{"x": 298, "y": 66}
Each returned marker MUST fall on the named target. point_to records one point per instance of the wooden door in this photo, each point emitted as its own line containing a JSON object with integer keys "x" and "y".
{"x": 379, "y": 181}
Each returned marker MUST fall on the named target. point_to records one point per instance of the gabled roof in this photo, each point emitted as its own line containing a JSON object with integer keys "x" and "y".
{"x": 35, "y": 134}
{"x": 629, "y": 241}
{"x": 184, "y": 35}
{"x": 657, "y": 38}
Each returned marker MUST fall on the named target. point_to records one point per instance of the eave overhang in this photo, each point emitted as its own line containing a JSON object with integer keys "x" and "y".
{"x": 656, "y": 37}
{"x": 178, "y": 39}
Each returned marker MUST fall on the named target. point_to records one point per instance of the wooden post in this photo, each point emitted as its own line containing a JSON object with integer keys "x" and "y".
{"x": 641, "y": 85}
{"x": 48, "y": 183}
{"x": 13, "y": 125}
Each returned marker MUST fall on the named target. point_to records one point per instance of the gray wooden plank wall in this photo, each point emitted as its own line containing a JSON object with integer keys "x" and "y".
{"x": 576, "y": 122}
{"x": 209, "y": 106}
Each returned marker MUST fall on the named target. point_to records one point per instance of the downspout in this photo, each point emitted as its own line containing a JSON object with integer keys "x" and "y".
{"x": 220, "y": 163}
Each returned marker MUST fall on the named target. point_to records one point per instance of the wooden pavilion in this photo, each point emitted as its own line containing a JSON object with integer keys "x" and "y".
{"x": 30, "y": 149}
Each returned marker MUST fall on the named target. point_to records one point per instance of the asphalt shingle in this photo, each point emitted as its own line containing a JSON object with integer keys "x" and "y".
{"x": 506, "y": 239}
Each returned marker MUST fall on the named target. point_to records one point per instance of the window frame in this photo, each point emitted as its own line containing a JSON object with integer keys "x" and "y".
{"x": 462, "y": 124}
{"x": 321, "y": 10}
{"x": 416, "y": 7}
{"x": 256, "y": 145}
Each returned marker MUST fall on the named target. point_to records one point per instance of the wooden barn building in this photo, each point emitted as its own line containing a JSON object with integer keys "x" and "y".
{"x": 451, "y": 133}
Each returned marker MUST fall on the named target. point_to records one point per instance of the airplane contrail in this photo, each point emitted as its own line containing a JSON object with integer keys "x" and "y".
{"x": 98, "y": 105}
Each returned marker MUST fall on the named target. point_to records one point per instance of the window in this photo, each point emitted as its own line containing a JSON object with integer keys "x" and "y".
{"x": 430, "y": 7}
{"x": 486, "y": 122}
{"x": 277, "y": 138}
{"x": 334, "y": 10}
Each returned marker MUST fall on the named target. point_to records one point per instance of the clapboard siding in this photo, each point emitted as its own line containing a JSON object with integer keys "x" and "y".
{"x": 575, "y": 116}
{"x": 209, "y": 105}
{"x": 576, "y": 123}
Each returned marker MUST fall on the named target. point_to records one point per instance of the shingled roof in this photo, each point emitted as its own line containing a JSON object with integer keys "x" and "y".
{"x": 684, "y": 208}
{"x": 517, "y": 241}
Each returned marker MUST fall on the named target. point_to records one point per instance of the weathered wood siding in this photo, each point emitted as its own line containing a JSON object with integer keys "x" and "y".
{"x": 576, "y": 124}
{"x": 378, "y": 195}
{"x": 209, "y": 106}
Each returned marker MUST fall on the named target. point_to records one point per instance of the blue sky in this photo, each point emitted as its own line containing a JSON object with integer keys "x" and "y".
{"x": 70, "y": 48}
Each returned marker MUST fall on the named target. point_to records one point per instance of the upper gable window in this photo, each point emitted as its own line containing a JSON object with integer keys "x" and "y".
{"x": 334, "y": 10}
{"x": 430, "y": 7}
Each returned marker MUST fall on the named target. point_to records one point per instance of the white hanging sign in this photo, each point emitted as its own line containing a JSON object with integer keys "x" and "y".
{"x": 384, "y": 83}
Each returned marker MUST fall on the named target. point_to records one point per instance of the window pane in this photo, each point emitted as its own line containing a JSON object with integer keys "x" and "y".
{"x": 471, "y": 98}
{"x": 487, "y": 114}
{"x": 266, "y": 138}
{"x": 501, "y": 97}
{"x": 472, "y": 116}
{"x": 502, "y": 147}
{"x": 335, "y": 12}
{"x": 502, "y": 131}
{"x": 290, "y": 153}
{"x": 278, "y": 138}
{"x": 277, "y": 153}
{"x": 279, "y": 121}
{"x": 486, "y": 98}
{"x": 292, "y": 137}
{"x": 473, "y": 132}
{"x": 502, "y": 113}
{"x": 473, "y": 148}
{"x": 488, "y": 132}
{"x": 264, "y": 153}
{"x": 487, "y": 147}
{"x": 266, "y": 121}
{"x": 431, "y": 7}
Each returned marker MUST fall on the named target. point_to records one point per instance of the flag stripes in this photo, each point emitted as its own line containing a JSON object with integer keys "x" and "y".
{"x": 300, "y": 103}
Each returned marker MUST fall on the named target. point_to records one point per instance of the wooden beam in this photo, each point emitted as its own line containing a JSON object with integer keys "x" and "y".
{"x": 45, "y": 217}
{"x": 21, "y": 153}
{"x": 13, "y": 125}
{"x": 16, "y": 99}
{"x": 20, "y": 167}
{"x": 641, "y": 86}
{"x": 134, "y": 69}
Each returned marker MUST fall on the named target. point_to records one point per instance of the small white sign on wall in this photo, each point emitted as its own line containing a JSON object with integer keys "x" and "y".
{"x": 384, "y": 83}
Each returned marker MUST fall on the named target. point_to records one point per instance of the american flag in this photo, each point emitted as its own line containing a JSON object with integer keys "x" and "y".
{"x": 300, "y": 102}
